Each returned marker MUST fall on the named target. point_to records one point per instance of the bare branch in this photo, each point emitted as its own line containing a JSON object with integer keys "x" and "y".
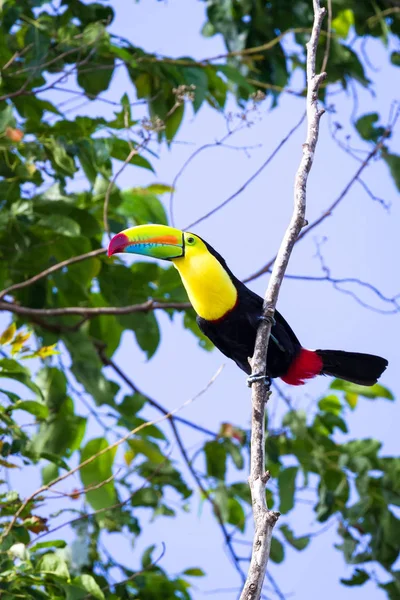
{"x": 133, "y": 152}
{"x": 44, "y": 488}
{"x": 328, "y": 38}
{"x": 52, "y": 269}
{"x": 252, "y": 178}
{"x": 265, "y": 519}
{"x": 328, "y": 212}
{"x": 91, "y": 312}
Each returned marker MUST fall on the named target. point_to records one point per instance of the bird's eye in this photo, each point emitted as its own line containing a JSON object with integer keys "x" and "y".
{"x": 190, "y": 240}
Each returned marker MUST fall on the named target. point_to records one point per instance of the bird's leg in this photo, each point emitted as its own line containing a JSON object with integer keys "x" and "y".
{"x": 259, "y": 377}
{"x": 267, "y": 319}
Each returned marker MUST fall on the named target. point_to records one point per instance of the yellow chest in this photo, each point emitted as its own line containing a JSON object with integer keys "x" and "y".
{"x": 209, "y": 287}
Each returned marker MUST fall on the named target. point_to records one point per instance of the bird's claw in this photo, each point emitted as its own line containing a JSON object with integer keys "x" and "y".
{"x": 268, "y": 319}
{"x": 259, "y": 377}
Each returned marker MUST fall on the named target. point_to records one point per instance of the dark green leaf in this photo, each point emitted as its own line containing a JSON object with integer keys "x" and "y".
{"x": 300, "y": 543}
{"x": 370, "y": 392}
{"x": 277, "y": 553}
{"x": 194, "y": 572}
{"x": 287, "y": 487}
{"x": 34, "y": 408}
{"x": 53, "y": 564}
{"x": 215, "y": 459}
{"x": 97, "y": 472}
{"x": 359, "y": 577}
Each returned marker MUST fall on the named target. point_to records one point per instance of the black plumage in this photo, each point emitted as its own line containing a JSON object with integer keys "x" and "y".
{"x": 234, "y": 335}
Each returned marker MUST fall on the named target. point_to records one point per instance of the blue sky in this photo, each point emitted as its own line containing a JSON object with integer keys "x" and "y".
{"x": 361, "y": 241}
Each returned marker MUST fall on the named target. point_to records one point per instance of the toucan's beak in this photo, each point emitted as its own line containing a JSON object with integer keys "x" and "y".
{"x": 157, "y": 241}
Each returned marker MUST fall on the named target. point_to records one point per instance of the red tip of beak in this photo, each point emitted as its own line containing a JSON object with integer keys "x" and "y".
{"x": 118, "y": 243}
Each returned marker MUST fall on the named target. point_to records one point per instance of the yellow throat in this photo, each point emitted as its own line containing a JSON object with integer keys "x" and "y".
{"x": 209, "y": 287}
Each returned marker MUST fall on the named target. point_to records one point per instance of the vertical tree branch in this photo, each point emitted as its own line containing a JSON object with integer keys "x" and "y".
{"x": 264, "y": 519}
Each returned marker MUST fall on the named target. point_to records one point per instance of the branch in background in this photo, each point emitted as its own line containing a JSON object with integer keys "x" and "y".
{"x": 183, "y": 451}
{"x": 252, "y": 178}
{"x": 133, "y": 152}
{"x": 328, "y": 212}
{"x": 217, "y": 144}
{"x": 91, "y": 312}
{"x": 264, "y": 519}
{"x": 53, "y": 269}
{"x": 108, "y": 362}
{"x": 44, "y": 488}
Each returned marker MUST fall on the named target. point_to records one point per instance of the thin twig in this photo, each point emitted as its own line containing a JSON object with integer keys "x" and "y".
{"x": 328, "y": 38}
{"x": 108, "y": 362}
{"x": 328, "y": 212}
{"x": 52, "y": 269}
{"x": 89, "y": 460}
{"x": 265, "y": 519}
{"x": 252, "y": 178}
{"x": 91, "y": 312}
{"x": 133, "y": 152}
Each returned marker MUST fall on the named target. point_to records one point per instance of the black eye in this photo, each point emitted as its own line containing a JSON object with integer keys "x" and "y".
{"x": 190, "y": 240}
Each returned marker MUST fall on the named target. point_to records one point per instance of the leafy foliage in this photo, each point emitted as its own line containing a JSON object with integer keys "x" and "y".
{"x": 57, "y": 175}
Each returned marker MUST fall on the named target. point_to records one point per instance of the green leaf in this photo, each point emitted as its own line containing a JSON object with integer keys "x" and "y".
{"x": 194, "y": 572}
{"x": 277, "y": 553}
{"x": 198, "y": 78}
{"x": 61, "y": 161}
{"x": 146, "y": 557}
{"x": 393, "y": 162}
{"x": 287, "y": 487}
{"x": 87, "y": 368}
{"x": 235, "y": 76}
{"x": 221, "y": 501}
{"x": 53, "y": 564}
{"x": 11, "y": 369}
{"x": 49, "y": 473}
{"x": 395, "y": 58}
{"x": 90, "y": 585}
{"x": 60, "y": 224}
{"x": 371, "y": 392}
{"x": 300, "y": 543}
{"x": 142, "y": 206}
{"x": 173, "y": 122}
{"x": 132, "y": 404}
{"x": 236, "y": 514}
{"x": 59, "y": 435}
{"x": 50, "y": 544}
{"x": 95, "y": 76}
{"x": 98, "y": 471}
{"x": 53, "y": 385}
{"x": 365, "y": 126}
{"x": 351, "y": 399}
{"x": 235, "y": 453}
{"x": 342, "y": 22}
{"x": 330, "y": 404}
{"x": 148, "y": 497}
{"x": 8, "y": 334}
{"x": 6, "y": 118}
{"x": 215, "y": 459}
{"x": 34, "y": 408}
{"x": 149, "y": 449}
{"x": 359, "y": 577}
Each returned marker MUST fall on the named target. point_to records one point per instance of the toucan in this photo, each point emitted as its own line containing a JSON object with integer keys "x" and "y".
{"x": 229, "y": 313}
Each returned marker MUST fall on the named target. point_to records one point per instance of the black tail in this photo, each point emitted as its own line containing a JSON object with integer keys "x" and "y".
{"x": 364, "y": 369}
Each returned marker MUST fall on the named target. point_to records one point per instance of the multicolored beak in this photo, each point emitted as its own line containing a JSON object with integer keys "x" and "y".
{"x": 157, "y": 241}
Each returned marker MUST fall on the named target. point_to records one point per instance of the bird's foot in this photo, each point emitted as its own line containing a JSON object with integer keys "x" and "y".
{"x": 268, "y": 319}
{"x": 259, "y": 377}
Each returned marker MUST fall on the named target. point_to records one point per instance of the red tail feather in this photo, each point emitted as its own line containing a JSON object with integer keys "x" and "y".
{"x": 306, "y": 365}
